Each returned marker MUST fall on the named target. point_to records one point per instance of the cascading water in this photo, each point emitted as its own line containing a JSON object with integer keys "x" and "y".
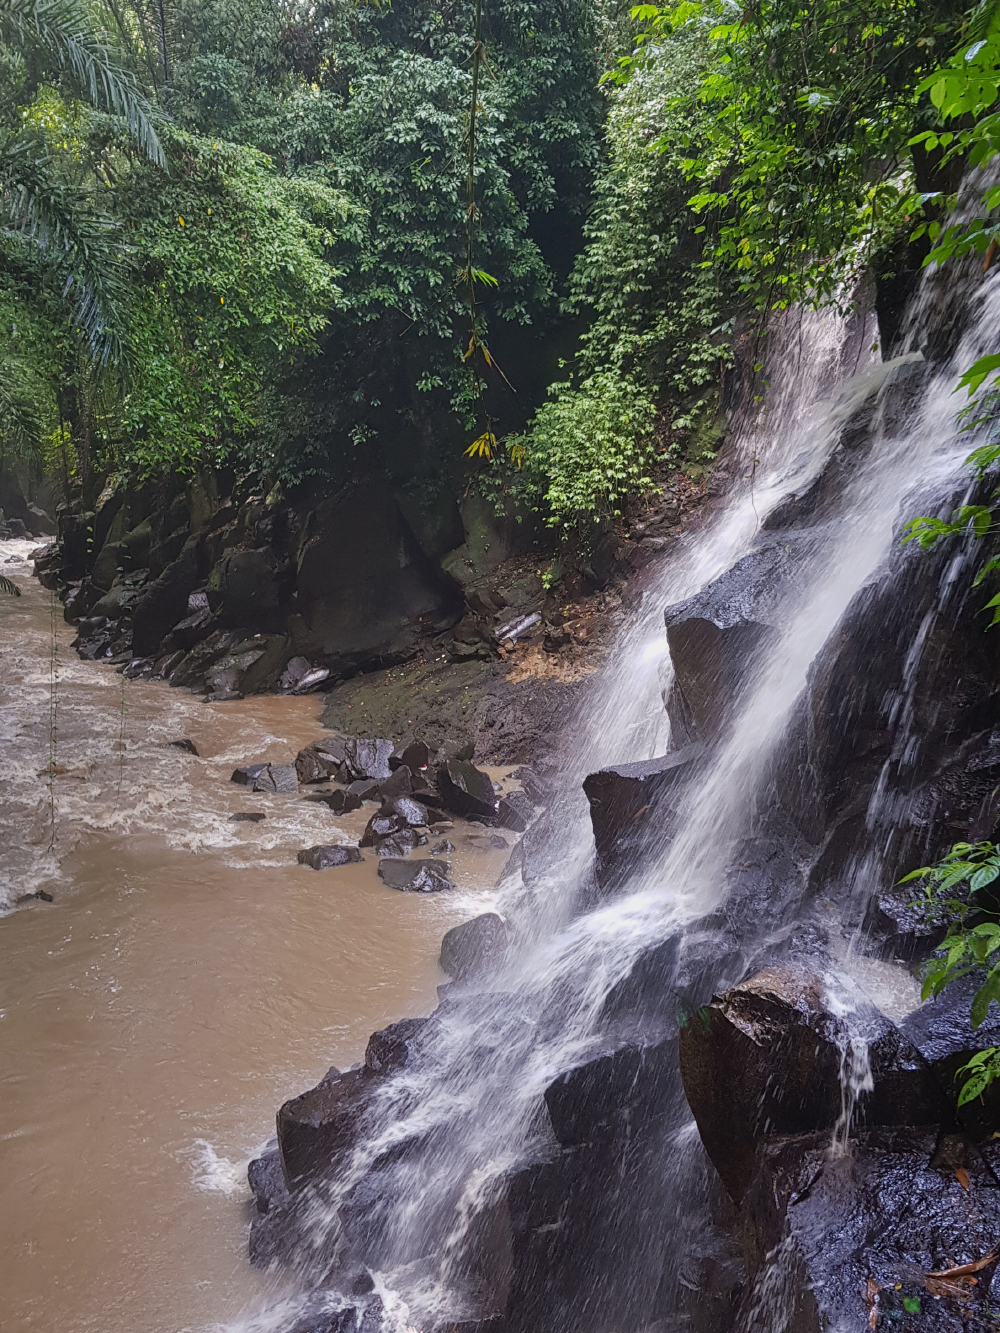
{"x": 419, "y": 1198}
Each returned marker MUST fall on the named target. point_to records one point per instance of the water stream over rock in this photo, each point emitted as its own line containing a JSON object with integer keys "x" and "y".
{"x": 534, "y": 1164}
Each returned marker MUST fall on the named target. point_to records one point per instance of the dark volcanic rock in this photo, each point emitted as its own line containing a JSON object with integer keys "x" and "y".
{"x": 315, "y": 1129}
{"x": 765, "y": 1059}
{"x": 366, "y": 593}
{"x": 245, "y": 588}
{"x": 852, "y": 1243}
{"x": 415, "y": 876}
{"x": 192, "y": 668}
{"x": 328, "y": 857}
{"x": 267, "y": 1182}
{"x": 474, "y": 947}
{"x": 714, "y": 635}
{"x": 321, "y": 760}
{"x": 583, "y": 1102}
{"x": 407, "y": 808}
{"x": 366, "y": 789}
{"x": 164, "y": 602}
{"x": 415, "y": 756}
{"x": 515, "y": 811}
{"x": 466, "y": 790}
{"x": 630, "y": 804}
{"x": 247, "y": 668}
{"x": 341, "y": 802}
{"x": 943, "y": 1034}
{"x": 367, "y": 758}
{"x": 400, "y": 843}
{"x": 400, "y": 784}
{"x": 188, "y": 746}
{"x": 380, "y": 826}
{"x": 247, "y": 817}
{"x": 267, "y": 777}
{"x": 391, "y": 1047}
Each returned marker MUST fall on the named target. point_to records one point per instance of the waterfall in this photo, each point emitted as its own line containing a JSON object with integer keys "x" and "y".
{"x": 418, "y": 1199}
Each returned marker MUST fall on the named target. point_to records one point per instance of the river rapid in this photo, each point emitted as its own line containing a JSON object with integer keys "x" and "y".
{"x": 187, "y": 978}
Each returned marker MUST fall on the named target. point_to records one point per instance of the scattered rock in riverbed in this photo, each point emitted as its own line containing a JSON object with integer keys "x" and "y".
{"x": 442, "y": 848}
{"x": 407, "y": 808}
{"x": 415, "y": 876}
{"x": 381, "y": 826}
{"x": 321, "y": 760}
{"x": 465, "y": 789}
{"x": 401, "y": 843}
{"x": 279, "y": 778}
{"x": 329, "y": 857}
{"x": 38, "y": 896}
{"x": 339, "y": 801}
{"x": 366, "y": 789}
{"x": 366, "y": 758}
{"x": 188, "y": 746}
{"x": 247, "y": 817}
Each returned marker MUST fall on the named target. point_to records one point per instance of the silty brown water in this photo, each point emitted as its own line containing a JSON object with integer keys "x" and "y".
{"x": 188, "y": 977}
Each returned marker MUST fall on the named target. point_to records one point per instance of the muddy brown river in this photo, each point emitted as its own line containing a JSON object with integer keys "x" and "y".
{"x": 187, "y": 977}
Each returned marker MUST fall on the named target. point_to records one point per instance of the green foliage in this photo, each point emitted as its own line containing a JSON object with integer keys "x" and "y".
{"x": 317, "y": 159}
{"x": 658, "y": 338}
{"x": 802, "y": 170}
{"x": 9, "y": 587}
{"x": 950, "y": 886}
{"x": 926, "y": 532}
{"x": 234, "y": 280}
{"x": 589, "y": 447}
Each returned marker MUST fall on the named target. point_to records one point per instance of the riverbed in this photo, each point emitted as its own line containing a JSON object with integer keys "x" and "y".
{"x": 187, "y": 977}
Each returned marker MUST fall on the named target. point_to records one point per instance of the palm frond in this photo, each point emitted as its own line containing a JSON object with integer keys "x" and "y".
{"x": 8, "y": 587}
{"x": 83, "y": 248}
{"x": 20, "y": 415}
{"x": 65, "y": 32}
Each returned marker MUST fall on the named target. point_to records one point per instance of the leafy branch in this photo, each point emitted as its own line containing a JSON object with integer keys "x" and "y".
{"x": 965, "y": 949}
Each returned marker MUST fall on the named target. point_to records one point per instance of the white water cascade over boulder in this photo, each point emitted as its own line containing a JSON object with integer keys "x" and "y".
{"x": 580, "y": 1137}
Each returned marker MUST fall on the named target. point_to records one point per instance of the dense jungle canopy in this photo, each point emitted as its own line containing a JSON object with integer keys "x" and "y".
{"x": 269, "y": 235}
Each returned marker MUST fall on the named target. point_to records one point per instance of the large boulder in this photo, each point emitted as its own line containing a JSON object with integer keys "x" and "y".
{"x": 942, "y": 1032}
{"x": 474, "y": 947}
{"x": 771, "y": 1056}
{"x": 191, "y": 670}
{"x": 714, "y": 636}
{"x": 365, "y": 592}
{"x": 422, "y": 876}
{"x": 585, "y": 1103}
{"x": 248, "y": 667}
{"x": 367, "y": 758}
{"x": 164, "y": 602}
{"x": 245, "y": 588}
{"x": 329, "y": 857}
{"x": 316, "y": 1129}
{"x": 631, "y": 802}
{"x": 392, "y": 1047}
{"x": 891, "y": 1237}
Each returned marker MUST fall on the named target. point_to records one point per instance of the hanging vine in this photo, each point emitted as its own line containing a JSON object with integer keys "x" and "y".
{"x": 485, "y": 444}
